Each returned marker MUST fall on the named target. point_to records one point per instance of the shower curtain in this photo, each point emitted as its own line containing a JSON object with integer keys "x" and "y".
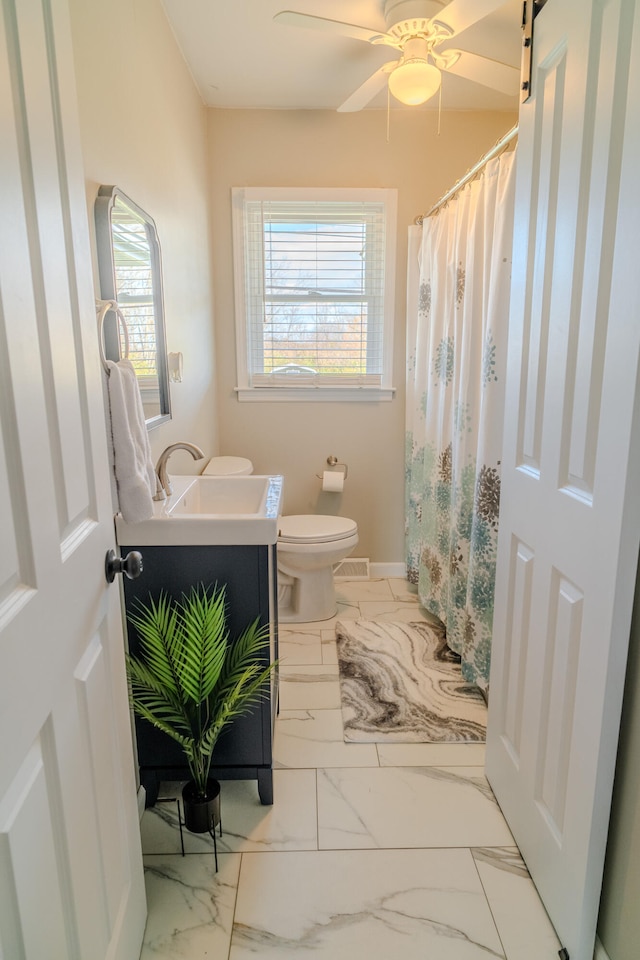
{"x": 458, "y": 305}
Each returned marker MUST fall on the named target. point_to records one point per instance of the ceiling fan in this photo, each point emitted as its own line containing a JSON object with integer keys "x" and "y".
{"x": 416, "y": 28}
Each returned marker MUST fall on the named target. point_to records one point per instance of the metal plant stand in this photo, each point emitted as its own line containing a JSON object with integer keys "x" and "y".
{"x": 211, "y": 831}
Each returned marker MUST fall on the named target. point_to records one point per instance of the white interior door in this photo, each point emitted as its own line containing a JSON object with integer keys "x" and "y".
{"x": 570, "y": 515}
{"x": 71, "y": 883}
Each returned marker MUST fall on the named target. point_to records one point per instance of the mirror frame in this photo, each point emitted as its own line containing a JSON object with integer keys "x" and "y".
{"x": 103, "y": 210}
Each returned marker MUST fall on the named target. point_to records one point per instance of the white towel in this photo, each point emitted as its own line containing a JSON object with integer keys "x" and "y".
{"x": 133, "y": 466}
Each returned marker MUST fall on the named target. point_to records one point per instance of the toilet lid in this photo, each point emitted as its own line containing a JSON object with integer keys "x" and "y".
{"x": 307, "y": 528}
{"x": 227, "y": 467}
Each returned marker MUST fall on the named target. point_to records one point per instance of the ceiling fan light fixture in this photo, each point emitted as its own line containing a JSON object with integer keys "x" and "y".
{"x": 414, "y": 81}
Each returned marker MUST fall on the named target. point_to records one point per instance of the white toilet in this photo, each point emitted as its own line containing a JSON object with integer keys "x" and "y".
{"x": 309, "y": 547}
{"x": 228, "y": 467}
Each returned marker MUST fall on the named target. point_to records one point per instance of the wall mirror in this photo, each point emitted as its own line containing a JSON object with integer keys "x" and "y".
{"x": 130, "y": 271}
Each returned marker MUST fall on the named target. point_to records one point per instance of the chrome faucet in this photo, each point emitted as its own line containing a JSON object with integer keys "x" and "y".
{"x": 164, "y": 484}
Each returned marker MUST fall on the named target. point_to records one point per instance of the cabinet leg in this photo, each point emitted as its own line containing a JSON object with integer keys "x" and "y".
{"x": 151, "y": 786}
{"x": 265, "y": 787}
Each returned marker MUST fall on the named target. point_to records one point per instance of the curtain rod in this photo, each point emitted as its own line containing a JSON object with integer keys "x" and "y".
{"x": 470, "y": 174}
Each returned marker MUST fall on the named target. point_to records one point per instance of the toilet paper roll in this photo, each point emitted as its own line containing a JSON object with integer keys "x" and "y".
{"x": 333, "y": 481}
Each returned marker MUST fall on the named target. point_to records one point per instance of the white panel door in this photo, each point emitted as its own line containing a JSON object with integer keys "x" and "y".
{"x": 570, "y": 514}
{"x": 71, "y": 883}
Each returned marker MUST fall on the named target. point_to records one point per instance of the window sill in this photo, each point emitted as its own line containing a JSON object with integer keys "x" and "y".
{"x": 314, "y": 394}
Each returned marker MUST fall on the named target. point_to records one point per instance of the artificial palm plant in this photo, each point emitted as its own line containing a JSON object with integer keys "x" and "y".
{"x": 191, "y": 678}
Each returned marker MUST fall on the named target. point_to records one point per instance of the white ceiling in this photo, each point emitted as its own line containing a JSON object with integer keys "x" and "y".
{"x": 240, "y": 58}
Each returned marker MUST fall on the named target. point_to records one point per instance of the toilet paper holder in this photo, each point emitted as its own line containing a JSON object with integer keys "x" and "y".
{"x": 334, "y": 462}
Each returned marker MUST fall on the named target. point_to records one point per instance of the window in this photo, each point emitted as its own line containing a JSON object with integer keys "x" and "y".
{"x": 130, "y": 270}
{"x": 134, "y": 291}
{"x": 314, "y": 272}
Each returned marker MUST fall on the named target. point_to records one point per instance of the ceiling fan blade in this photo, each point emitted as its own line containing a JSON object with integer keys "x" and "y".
{"x": 460, "y": 14}
{"x": 365, "y": 93}
{"x": 490, "y": 73}
{"x": 293, "y": 19}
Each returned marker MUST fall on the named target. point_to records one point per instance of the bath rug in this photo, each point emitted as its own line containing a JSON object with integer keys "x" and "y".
{"x": 400, "y": 683}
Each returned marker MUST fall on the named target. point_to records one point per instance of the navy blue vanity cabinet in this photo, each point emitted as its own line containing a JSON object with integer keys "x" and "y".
{"x": 244, "y": 750}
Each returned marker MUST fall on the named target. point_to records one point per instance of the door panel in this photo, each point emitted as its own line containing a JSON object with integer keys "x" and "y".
{"x": 570, "y": 523}
{"x": 71, "y": 880}
{"x": 27, "y": 831}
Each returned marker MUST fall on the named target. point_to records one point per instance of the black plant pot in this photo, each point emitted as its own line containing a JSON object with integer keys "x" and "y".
{"x": 201, "y": 814}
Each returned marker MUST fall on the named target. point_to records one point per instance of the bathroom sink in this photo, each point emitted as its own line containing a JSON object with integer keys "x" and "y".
{"x": 222, "y": 496}
{"x": 225, "y": 511}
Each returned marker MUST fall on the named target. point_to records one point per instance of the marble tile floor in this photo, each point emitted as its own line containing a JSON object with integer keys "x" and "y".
{"x": 370, "y": 850}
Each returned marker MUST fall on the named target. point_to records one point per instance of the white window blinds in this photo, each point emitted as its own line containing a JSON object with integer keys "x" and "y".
{"x": 316, "y": 305}
{"x": 135, "y": 293}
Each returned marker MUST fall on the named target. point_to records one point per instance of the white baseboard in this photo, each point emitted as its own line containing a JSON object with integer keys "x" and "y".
{"x": 600, "y": 953}
{"x": 377, "y": 570}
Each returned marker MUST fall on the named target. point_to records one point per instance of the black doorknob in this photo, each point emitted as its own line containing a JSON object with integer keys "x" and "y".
{"x": 131, "y": 565}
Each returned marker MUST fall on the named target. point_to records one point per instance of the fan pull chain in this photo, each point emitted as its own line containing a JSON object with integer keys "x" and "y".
{"x": 439, "y": 106}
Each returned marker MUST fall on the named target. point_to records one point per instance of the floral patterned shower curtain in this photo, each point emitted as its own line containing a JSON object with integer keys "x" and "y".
{"x": 458, "y": 305}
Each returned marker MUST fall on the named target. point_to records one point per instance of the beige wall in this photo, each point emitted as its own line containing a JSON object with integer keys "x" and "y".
{"x": 325, "y": 148}
{"x": 143, "y": 128}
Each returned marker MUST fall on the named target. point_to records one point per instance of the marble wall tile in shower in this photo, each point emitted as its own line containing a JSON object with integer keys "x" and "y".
{"x": 376, "y": 904}
{"x": 408, "y": 807}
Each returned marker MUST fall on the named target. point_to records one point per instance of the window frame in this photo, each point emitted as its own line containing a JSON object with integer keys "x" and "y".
{"x": 306, "y": 389}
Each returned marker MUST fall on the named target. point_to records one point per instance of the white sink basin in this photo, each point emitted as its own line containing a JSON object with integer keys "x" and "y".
{"x": 225, "y": 511}
{"x": 222, "y": 496}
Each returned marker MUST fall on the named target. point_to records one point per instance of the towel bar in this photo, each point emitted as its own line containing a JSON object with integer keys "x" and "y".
{"x": 103, "y": 307}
